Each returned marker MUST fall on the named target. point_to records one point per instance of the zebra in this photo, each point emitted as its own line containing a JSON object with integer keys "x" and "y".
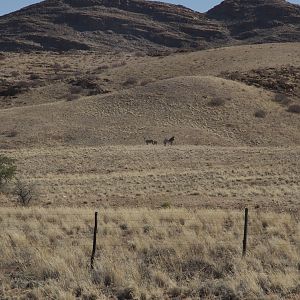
{"x": 169, "y": 141}
{"x": 150, "y": 141}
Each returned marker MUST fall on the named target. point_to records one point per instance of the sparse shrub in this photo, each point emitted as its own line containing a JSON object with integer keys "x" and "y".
{"x": 15, "y": 74}
{"x": 260, "y": 113}
{"x": 72, "y": 97}
{"x": 89, "y": 297}
{"x": 294, "y": 108}
{"x": 118, "y": 64}
{"x": 165, "y": 205}
{"x": 30, "y": 296}
{"x": 146, "y": 81}
{"x": 24, "y": 193}
{"x": 88, "y": 85}
{"x": 217, "y": 290}
{"x": 140, "y": 54}
{"x": 174, "y": 292}
{"x": 59, "y": 77}
{"x": 34, "y": 77}
{"x": 12, "y": 89}
{"x": 75, "y": 89}
{"x": 102, "y": 68}
{"x": 57, "y": 67}
{"x": 12, "y": 133}
{"x": 216, "y": 102}
{"x": 7, "y": 169}
{"x": 124, "y": 226}
{"x": 130, "y": 81}
{"x": 2, "y": 56}
{"x": 282, "y": 99}
{"x": 126, "y": 294}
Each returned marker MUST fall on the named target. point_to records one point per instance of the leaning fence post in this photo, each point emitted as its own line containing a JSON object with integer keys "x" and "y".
{"x": 245, "y": 232}
{"x": 94, "y": 240}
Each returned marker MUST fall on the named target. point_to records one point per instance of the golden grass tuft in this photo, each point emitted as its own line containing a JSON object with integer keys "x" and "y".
{"x": 148, "y": 254}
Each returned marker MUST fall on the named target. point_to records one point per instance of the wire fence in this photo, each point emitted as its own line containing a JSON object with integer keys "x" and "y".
{"x": 85, "y": 230}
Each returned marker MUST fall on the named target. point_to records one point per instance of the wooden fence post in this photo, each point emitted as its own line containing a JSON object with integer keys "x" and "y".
{"x": 94, "y": 240}
{"x": 245, "y": 233}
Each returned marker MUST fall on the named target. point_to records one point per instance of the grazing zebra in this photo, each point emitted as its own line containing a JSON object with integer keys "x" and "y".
{"x": 150, "y": 141}
{"x": 169, "y": 141}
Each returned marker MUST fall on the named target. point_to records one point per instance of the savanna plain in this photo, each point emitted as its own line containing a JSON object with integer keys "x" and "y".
{"x": 170, "y": 218}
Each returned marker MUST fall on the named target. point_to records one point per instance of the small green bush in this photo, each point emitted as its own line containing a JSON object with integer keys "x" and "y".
{"x": 7, "y": 169}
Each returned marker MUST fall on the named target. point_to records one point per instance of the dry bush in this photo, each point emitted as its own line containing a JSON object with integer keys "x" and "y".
{"x": 13, "y": 89}
{"x": 59, "y": 77}
{"x": 34, "y": 77}
{"x": 216, "y": 102}
{"x": 12, "y": 133}
{"x": 24, "y": 192}
{"x": 260, "y": 113}
{"x": 2, "y": 56}
{"x": 72, "y": 97}
{"x": 140, "y": 54}
{"x": 146, "y": 81}
{"x": 119, "y": 64}
{"x": 130, "y": 81}
{"x": 101, "y": 68}
{"x": 294, "y": 108}
{"x": 15, "y": 74}
{"x": 183, "y": 254}
{"x": 76, "y": 89}
{"x": 282, "y": 99}
{"x": 57, "y": 67}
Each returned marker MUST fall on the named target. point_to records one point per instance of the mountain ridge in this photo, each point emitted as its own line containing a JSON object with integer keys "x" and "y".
{"x": 138, "y": 25}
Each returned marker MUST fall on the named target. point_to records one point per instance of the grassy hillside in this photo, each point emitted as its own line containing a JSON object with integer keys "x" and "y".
{"x": 197, "y": 110}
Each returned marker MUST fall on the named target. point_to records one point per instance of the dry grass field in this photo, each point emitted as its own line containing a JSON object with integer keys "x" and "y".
{"x": 148, "y": 254}
{"x": 170, "y": 217}
{"x": 151, "y": 176}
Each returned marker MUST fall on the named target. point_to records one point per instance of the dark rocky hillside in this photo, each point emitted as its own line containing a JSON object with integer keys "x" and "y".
{"x": 138, "y": 25}
{"x": 259, "y": 21}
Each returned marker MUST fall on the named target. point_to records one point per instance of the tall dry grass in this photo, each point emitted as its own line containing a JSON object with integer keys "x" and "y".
{"x": 148, "y": 254}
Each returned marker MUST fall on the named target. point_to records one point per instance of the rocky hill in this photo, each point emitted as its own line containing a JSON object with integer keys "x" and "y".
{"x": 138, "y": 25}
{"x": 107, "y": 24}
{"x": 259, "y": 21}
